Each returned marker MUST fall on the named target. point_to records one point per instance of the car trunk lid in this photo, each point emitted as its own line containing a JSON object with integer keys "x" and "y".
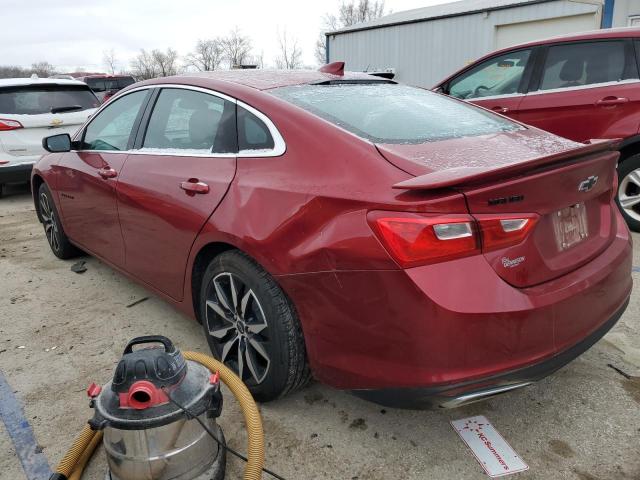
{"x": 562, "y": 189}
{"x": 27, "y": 140}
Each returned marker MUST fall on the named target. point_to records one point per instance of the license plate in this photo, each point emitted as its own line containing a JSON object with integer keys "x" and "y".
{"x": 570, "y": 225}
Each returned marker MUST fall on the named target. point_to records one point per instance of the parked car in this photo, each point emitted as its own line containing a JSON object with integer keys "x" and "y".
{"x": 582, "y": 87}
{"x": 401, "y": 244}
{"x": 105, "y": 86}
{"x": 32, "y": 108}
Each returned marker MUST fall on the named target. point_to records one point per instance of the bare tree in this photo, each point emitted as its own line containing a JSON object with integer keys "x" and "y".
{"x": 110, "y": 61}
{"x": 11, "y": 71}
{"x": 290, "y": 55}
{"x": 166, "y": 62}
{"x": 237, "y": 47}
{"x": 143, "y": 66}
{"x": 207, "y": 55}
{"x": 349, "y": 13}
{"x": 354, "y": 12}
{"x": 43, "y": 69}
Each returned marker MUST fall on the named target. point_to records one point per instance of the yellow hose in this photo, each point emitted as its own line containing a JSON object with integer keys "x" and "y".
{"x": 252, "y": 419}
{"x": 85, "y": 457}
{"x": 80, "y": 444}
{"x": 75, "y": 460}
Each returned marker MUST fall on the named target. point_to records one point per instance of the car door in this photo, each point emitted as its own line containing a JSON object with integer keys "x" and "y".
{"x": 88, "y": 177}
{"x": 497, "y": 84}
{"x": 585, "y": 90}
{"x": 172, "y": 183}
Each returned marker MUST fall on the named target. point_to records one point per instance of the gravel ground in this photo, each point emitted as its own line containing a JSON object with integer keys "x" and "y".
{"x": 581, "y": 423}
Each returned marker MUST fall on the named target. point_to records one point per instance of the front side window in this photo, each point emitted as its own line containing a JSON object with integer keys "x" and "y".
{"x": 189, "y": 121}
{"x": 579, "y": 64}
{"x": 112, "y": 128}
{"x": 388, "y": 113}
{"x": 39, "y": 99}
{"x": 497, "y": 76}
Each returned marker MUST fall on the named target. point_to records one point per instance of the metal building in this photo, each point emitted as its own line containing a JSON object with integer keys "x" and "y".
{"x": 423, "y": 45}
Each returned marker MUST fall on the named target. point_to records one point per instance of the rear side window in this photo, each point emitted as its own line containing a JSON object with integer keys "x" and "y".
{"x": 96, "y": 84}
{"x": 389, "y": 113}
{"x": 580, "y": 64}
{"x": 253, "y": 134}
{"x": 191, "y": 122}
{"x": 111, "y": 84}
{"x": 125, "y": 81}
{"x": 112, "y": 128}
{"x": 497, "y": 76}
{"x": 39, "y": 99}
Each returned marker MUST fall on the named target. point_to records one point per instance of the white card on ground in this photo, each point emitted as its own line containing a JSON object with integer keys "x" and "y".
{"x": 494, "y": 454}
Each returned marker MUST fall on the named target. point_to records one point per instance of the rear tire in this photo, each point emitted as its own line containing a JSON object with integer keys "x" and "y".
{"x": 57, "y": 239}
{"x": 629, "y": 191}
{"x": 252, "y": 327}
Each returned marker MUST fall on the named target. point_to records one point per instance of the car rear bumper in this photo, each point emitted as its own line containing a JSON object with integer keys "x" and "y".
{"x": 437, "y": 327}
{"x": 16, "y": 173}
{"x": 463, "y": 393}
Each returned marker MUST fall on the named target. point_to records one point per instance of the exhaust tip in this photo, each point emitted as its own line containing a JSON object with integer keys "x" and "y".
{"x": 480, "y": 395}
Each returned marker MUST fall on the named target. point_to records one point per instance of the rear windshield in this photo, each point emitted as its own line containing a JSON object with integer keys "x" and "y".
{"x": 38, "y": 99}
{"x": 390, "y": 113}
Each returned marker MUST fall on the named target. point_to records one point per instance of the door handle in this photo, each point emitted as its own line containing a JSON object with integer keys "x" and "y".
{"x": 107, "y": 172}
{"x": 193, "y": 185}
{"x": 500, "y": 109}
{"x": 608, "y": 101}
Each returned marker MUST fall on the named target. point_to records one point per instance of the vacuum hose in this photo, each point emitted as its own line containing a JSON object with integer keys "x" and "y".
{"x": 73, "y": 463}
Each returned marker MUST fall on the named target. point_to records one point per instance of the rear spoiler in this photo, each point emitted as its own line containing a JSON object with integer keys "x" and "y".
{"x": 463, "y": 175}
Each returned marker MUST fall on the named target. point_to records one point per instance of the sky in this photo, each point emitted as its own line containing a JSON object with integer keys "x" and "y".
{"x": 74, "y": 34}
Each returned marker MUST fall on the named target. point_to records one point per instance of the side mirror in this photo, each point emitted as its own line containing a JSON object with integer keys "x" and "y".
{"x": 57, "y": 143}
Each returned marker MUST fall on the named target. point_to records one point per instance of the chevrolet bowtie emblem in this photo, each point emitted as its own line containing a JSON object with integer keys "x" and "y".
{"x": 56, "y": 122}
{"x": 588, "y": 184}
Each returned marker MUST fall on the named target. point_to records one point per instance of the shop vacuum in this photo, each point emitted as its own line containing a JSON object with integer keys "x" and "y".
{"x": 157, "y": 418}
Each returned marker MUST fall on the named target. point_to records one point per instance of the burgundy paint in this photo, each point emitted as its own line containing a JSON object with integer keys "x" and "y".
{"x": 580, "y": 114}
{"x": 303, "y": 217}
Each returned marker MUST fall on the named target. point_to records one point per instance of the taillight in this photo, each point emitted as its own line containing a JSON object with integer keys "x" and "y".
{"x": 417, "y": 240}
{"x": 500, "y": 231}
{"x": 9, "y": 125}
{"x": 414, "y": 239}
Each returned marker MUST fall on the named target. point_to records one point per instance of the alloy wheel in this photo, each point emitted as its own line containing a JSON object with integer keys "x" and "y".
{"x": 629, "y": 194}
{"x": 50, "y": 222}
{"x": 237, "y": 324}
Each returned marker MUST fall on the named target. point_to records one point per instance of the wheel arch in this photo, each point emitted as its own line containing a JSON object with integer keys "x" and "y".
{"x": 201, "y": 260}
{"x": 629, "y": 147}
{"x": 36, "y": 181}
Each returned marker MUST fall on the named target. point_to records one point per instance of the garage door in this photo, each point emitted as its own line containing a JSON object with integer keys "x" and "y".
{"x": 514, "y": 33}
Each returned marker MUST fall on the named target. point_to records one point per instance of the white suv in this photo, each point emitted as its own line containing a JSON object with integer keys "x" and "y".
{"x": 31, "y": 109}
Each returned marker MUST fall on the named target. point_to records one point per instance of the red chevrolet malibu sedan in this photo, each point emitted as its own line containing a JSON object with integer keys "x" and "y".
{"x": 409, "y": 247}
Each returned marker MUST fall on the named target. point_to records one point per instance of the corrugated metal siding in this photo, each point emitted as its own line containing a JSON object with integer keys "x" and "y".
{"x": 423, "y": 53}
{"x": 623, "y": 10}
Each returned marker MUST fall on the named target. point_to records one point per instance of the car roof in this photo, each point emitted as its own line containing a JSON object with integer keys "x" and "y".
{"x": 623, "y": 32}
{"x": 18, "y": 82}
{"x": 264, "y": 79}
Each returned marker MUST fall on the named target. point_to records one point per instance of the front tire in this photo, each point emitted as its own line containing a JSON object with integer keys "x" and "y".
{"x": 57, "y": 239}
{"x": 252, "y": 327}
